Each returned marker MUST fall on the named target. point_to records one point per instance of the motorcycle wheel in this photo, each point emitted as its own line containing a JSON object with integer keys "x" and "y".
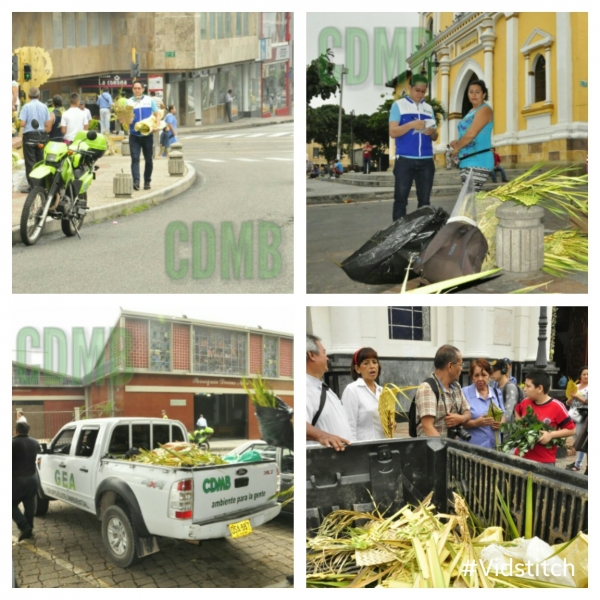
{"x": 32, "y": 209}
{"x": 67, "y": 225}
{"x": 204, "y": 446}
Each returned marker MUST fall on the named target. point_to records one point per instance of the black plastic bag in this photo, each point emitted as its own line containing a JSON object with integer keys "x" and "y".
{"x": 276, "y": 424}
{"x": 384, "y": 258}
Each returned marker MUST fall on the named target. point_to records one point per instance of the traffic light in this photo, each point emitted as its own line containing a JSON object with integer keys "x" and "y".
{"x": 26, "y": 72}
{"x": 15, "y": 67}
{"x": 135, "y": 67}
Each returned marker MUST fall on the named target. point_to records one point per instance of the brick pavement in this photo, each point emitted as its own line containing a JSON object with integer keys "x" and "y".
{"x": 67, "y": 551}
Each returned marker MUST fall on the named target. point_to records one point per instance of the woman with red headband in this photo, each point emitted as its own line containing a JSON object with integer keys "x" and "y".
{"x": 361, "y": 398}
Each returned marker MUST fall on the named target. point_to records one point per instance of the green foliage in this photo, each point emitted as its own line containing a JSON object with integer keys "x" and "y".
{"x": 320, "y": 80}
{"x": 321, "y": 128}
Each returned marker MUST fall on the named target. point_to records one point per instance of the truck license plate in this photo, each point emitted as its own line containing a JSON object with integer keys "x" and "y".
{"x": 240, "y": 529}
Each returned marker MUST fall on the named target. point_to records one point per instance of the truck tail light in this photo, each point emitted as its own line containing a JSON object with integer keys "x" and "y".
{"x": 181, "y": 499}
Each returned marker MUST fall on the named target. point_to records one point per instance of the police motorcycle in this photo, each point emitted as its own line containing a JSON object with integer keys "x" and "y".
{"x": 60, "y": 183}
{"x": 201, "y": 436}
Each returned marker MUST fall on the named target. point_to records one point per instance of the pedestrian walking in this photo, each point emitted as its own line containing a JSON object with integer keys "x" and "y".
{"x": 34, "y": 110}
{"x": 21, "y": 417}
{"x": 24, "y": 480}
{"x": 169, "y": 134}
{"x": 366, "y": 152}
{"x": 73, "y": 120}
{"x": 201, "y": 423}
{"x": 412, "y": 124}
{"x": 229, "y": 98}
{"x": 143, "y": 108}
{"x": 105, "y": 103}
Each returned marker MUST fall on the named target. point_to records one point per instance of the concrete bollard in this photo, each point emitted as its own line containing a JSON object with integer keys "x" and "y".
{"x": 176, "y": 164}
{"x": 125, "y": 147}
{"x": 123, "y": 185}
{"x": 177, "y": 146}
{"x": 520, "y": 238}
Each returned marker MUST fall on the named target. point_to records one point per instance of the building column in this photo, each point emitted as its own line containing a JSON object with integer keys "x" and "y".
{"x": 527, "y": 86}
{"x": 488, "y": 38}
{"x": 511, "y": 75}
{"x": 564, "y": 67}
{"x": 445, "y": 72}
{"x": 548, "y": 77}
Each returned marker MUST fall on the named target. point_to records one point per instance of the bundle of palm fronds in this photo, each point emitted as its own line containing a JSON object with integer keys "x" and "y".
{"x": 259, "y": 392}
{"x": 496, "y": 414}
{"x": 124, "y": 114}
{"x": 177, "y": 454}
{"x": 565, "y": 251}
{"x": 571, "y": 388}
{"x": 413, "y": 548}
{"x": 389, "y": 405}
{"x": 554, "y": 190}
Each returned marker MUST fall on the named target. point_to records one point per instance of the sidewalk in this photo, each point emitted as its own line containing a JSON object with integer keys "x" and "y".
{"x": 102, "y": 202}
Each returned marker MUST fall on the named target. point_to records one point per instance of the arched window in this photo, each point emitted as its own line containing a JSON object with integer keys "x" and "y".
{"x": 539, "y": 76}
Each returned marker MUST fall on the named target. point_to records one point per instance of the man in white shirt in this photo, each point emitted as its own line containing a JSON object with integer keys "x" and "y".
{"x": 73, "y": 120}
{"x": 21, "y": 417}
{"x": 329, "y": 425}
{"x": 201, "y": 423}
{"x": 85, "y": 110}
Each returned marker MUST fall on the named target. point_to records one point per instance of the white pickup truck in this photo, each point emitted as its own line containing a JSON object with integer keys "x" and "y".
{"x": 84, "y": 466}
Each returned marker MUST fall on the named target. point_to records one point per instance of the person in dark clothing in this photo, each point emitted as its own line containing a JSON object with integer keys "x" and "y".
{"x": 24, "y": 480}
{"x": 55, "y": 134}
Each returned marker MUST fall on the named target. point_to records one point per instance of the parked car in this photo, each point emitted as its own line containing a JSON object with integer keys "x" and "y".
{"x": 285, "y": 463}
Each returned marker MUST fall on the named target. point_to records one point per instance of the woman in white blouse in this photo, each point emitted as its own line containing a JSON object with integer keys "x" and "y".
{"x": 361, "y": 398}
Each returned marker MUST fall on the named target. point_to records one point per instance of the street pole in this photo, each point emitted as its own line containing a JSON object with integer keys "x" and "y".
{"x": 339, "y": 135}
{"x": 352, "y": 113}
{"x": 541, "y": 362}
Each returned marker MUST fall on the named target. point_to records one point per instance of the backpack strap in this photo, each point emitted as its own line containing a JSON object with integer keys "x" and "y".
{"x": 324, "y": 388}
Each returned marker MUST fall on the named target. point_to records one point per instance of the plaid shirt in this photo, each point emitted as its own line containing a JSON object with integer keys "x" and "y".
{"x": 428, "y": 406}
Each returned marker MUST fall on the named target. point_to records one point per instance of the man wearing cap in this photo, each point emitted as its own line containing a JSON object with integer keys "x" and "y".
{"x": 412, "y": 124}
{"x": 34, "y": 110}
{"x": 511, "y": 392}
{"x": 326, "y": 420}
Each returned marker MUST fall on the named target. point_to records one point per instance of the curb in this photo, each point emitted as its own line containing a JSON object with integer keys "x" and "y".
{"x": 216, "y": 129}
{"x": 355, "y": 197}
{"x": 116, "y": 208}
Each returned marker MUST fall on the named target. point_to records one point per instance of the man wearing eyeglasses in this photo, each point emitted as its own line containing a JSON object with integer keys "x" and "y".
{"x": 448, "y": 409}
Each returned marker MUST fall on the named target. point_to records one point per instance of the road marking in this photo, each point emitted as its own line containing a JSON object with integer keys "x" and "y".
{"x": 210, "y": 137}
{"x": 280, "y": 159}
{"x": 248, "y": 159}
{"x": 279, "y": 134}
{"x": 257, "y": 135}
{"x": 62, "y": 563}
{"x": 235, "y": 135}
{"x": 190, "y": 137}
{"x": 211, "y": 160}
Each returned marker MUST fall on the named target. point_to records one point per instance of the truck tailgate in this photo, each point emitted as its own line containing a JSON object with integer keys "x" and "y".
{"x": 234, "y": 488}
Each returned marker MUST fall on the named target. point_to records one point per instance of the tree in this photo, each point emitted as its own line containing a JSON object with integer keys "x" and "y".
{"x": 320, "y": 81}
{"x": 321, "y": 128}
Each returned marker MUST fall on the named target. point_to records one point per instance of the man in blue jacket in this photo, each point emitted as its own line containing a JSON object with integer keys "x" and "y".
{"x": 412, "y": 124}
{"x": 143, "y": 107}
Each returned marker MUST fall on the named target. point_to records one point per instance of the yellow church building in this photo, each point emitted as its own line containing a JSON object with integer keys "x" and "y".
{"x": 535, "y": 66}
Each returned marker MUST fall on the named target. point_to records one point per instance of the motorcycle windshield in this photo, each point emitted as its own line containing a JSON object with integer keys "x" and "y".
{"x": 54, "y": 151}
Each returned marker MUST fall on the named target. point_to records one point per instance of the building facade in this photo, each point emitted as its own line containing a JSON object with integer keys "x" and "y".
{"x": 535, "y": 66}
{"x": 407, "y": 338}
{"x": 183, "y": 366}
{"x": 189, "y": 60}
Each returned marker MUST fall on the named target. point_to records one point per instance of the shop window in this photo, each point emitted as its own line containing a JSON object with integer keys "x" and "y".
{"x": 57, "y": 30}
{"x": 94, "y": 29}
{"x": 539, "y": 75}
{"x": 409, "y": 323}
{"x": 219, "y": 351}
{"x": 82, "y": 29}
{"x": 270, "y": 354}
{"x": 160, "y": 346}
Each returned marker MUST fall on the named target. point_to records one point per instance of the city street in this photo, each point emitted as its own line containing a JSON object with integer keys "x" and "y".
{"x": 67, "y": 551}
{"x": 244, "y": 176}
